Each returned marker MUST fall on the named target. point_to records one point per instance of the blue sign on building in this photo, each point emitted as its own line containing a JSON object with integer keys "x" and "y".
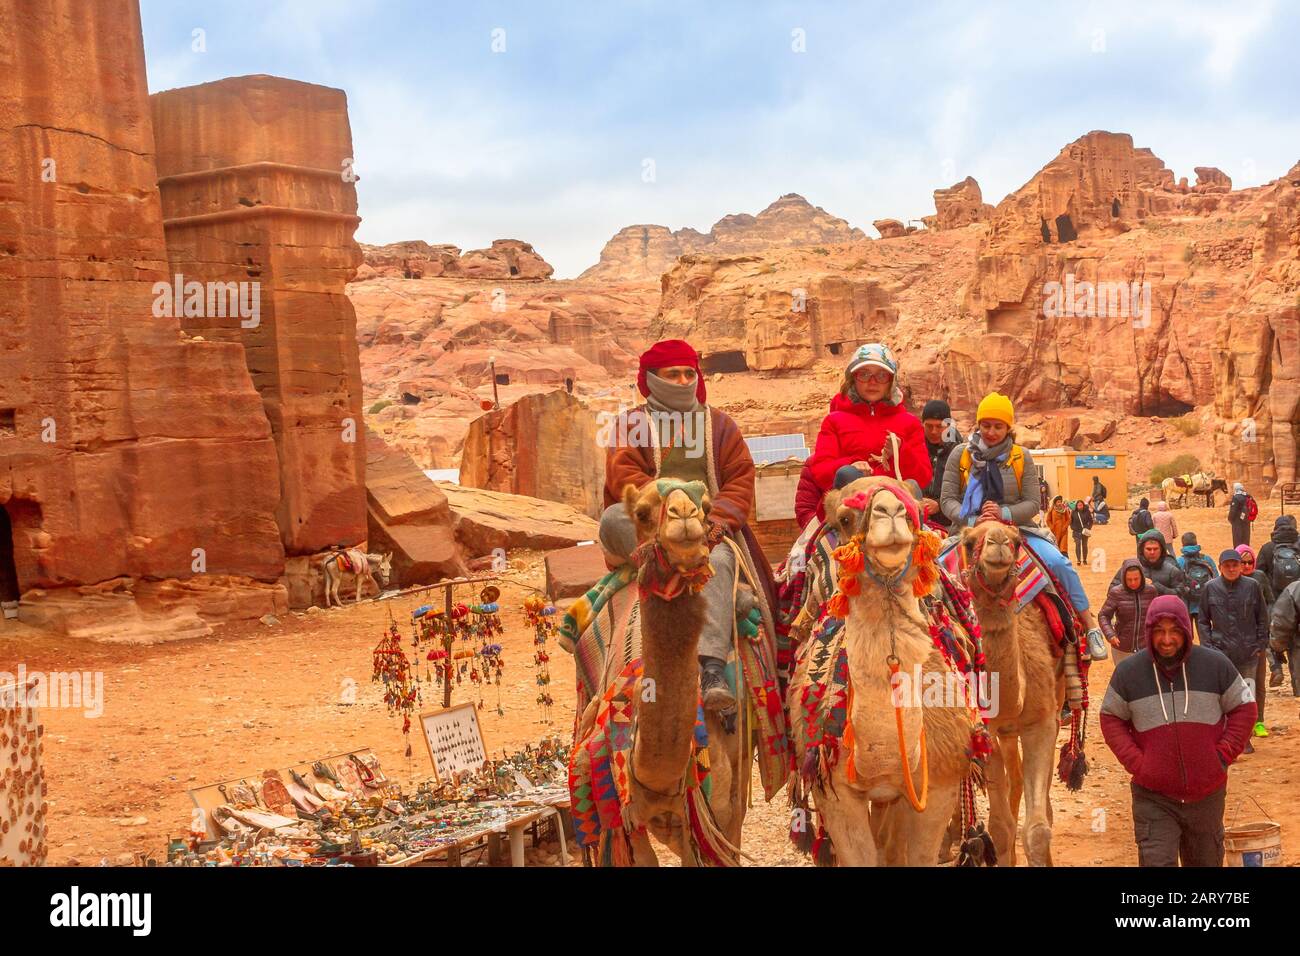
{"x": 1094, "y": 461}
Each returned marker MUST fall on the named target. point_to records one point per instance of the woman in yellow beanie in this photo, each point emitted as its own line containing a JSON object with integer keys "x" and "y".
{"x": 994, "y": 478}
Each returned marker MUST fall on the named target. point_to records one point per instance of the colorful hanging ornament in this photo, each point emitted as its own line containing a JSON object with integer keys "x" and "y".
{"x": 393, "y": 670}
{"x": 540, "y": 615}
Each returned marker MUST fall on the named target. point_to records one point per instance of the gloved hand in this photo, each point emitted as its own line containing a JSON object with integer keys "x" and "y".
{"x": 713, "y": 537}
{"x": 992, "y": 511}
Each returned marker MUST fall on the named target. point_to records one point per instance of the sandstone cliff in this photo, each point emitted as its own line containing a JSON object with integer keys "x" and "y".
{"x": 505, "y": 259}
{"x": 646, "y": 252}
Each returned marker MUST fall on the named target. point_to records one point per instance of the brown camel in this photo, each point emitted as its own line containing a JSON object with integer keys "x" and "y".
{"x": 1030, "y": 682}
{"x": 870, "y": 819}
{"x": 671, "y": 525}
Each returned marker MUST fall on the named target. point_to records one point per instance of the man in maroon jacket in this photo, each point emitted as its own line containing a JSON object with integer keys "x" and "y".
{"x": 1176, "y": 714}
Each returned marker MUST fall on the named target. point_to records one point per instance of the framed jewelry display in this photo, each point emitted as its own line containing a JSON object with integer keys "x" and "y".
{"x": 454, "y": 739}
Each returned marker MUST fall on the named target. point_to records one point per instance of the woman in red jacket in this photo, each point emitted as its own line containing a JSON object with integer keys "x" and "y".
{"x": 866, "y": 431}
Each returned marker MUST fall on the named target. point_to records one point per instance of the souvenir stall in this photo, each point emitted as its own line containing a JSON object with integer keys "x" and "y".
{"x": 343, "y": 810}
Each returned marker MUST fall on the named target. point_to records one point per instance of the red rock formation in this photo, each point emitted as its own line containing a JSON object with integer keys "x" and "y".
{"x": 123, "y": 447}
{"x": 889, "y": 228}
{"x": 960, "y": 205}
{"x": 488, "y": 520}
{"x": 544, "y": 446}
{"x": 257, "y": 188}
{"x": 646, "y": 252}
{"x": 506, "y": 259}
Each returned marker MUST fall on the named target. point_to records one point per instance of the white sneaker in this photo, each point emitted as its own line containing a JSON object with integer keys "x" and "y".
{"x": 1097, "y": 648}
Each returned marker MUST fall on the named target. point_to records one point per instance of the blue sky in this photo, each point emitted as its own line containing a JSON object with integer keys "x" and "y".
{"x": 546, "y": 141}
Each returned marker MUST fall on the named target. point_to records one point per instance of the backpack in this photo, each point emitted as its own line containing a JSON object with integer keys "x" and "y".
{"x": 1286, "y": 566}
{"x": 1139, "y": 522}
{"x": 1252, "y": 508}
{"x": 1198, "y": 575}
{"x": 1016, "y": 459}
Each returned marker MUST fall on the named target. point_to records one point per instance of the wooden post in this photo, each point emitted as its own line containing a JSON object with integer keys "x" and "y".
{"x": 448, "y": 642}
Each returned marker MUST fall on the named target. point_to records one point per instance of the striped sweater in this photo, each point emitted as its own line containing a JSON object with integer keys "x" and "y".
{"x": 1177, "y": 730}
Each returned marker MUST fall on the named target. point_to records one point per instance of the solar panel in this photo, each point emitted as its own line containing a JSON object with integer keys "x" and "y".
{"x": 768, "y": 449}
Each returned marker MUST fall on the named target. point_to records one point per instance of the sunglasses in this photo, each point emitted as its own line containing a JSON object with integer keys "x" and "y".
{"x": 872, "y": 375}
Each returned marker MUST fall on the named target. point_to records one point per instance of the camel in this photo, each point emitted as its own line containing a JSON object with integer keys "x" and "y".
{"x": 672, "y": 525}
{"x": 361, "y": 565}
{"x": 870, "y": 818}
{"x": 1030, "y": 693}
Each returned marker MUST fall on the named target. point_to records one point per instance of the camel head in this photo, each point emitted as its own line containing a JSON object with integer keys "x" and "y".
{"x": 993, "y": 549}
{"x": 883, "y": 514}
{"x": 673, "y": 515}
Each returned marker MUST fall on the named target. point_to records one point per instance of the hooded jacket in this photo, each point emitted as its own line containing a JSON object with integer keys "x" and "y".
{"x": 1123, "y": 616}
{"x": 1284, "y": 532}
{"x": 1177, "y": 725}
{"x": 1284, "y": 622}
{"x": 1165, "y": 574}
{"x": 857, "y": 431}
{"x": 1234, "y": 618}
{"x": 1058, "y": 522}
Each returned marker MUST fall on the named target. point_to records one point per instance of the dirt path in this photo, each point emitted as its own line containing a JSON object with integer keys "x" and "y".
{"x": 186, "y": 714}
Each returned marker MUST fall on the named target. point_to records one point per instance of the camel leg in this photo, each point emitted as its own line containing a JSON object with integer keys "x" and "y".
{"x": 889, "y": 828}
{"x": 1015, "y": 776}
{"x": 1002, "y": 819}
{"x": 331, "y": 586}
{"x": 643, "y": 851}
{"x": 925, "y": 831}
{"x": 847, "y": 823}
{"x": 1040, "y": 747}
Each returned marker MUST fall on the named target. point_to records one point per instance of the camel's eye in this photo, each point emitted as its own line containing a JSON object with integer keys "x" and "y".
{"x": 642, "y": 512}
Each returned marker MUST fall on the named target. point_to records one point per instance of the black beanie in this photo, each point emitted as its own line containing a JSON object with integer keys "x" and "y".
{"x": 1189, "y": 538}
{"x": 1144, "y": 503}
{"x": 936, "y": 408}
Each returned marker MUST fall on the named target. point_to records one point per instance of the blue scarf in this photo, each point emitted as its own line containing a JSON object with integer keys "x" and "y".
{"x": 984, "y": 483}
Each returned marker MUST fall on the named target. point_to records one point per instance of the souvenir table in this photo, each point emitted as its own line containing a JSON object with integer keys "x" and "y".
{"x": 356, "y": 819}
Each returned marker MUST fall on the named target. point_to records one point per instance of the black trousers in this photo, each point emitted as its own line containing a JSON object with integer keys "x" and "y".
{"x": 1081, "y": 548}
{"x": 1169, "y": 833}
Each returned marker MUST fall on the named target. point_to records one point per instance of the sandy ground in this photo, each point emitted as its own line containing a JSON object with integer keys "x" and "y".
{"x": 253, "y": 697}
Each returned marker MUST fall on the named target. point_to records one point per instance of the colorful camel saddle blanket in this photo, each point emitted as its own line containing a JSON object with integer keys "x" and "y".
{"x": 604, "y": 631}
{"x": 600, "y": 781}
{"x": 820, "y": 730}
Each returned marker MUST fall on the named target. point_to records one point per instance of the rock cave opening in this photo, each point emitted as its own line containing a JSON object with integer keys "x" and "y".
{"x": 1166, "y": 406}
{"x": 8, "y": 569}
{"x": 732, "y": 361}
{"x": 1065, "y": 231}
{"x": 833, "y": 348}
{"x": 1114, "y": 208}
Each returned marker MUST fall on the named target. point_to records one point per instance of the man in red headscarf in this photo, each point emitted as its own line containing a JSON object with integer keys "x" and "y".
{"x": 676, "y": 434}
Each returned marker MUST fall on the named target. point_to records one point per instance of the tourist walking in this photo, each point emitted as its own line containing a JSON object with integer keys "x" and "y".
{"x": 1176, "y": 716}
{"x": 1140, "y": 522}
{"x": 1236, "y": 623}
{"x": 1284, "y": 632}
{"x": 1081, "y": 524}
{"x": 1198, "y": 570}
{"x": 1058, "y": 522}
{"x": 1241, "y": 512}
{"x": 1266, "y": 661}
{"x": 1159, "y": 566}
{"x": 1123, "y": 616}
{"x": 1163, "y": 520}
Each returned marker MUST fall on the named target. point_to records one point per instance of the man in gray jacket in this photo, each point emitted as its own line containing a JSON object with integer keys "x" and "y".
{"x": 1284, "y": 630}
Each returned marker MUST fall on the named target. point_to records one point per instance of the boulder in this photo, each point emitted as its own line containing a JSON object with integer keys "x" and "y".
{"x": 409, "y": 516}
{"x": 487, "y": 520}
{"x": 570, "y": 572}
{"x": 889, "y": 228}
{"x": 959, "y": 205}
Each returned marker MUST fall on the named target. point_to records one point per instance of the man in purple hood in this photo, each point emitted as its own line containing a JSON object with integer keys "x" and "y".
{"x": 1176, "y": 714}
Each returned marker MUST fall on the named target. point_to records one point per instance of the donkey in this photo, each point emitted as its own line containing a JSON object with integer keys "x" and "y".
{"x": 360, "y": 565}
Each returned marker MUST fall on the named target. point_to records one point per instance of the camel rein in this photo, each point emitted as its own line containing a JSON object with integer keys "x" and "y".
{"x": 918, "y": 802}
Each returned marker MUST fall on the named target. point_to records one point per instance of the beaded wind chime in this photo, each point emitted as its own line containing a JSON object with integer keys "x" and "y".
{"x": 540, "y": 615}
{"x": 486, "y": 664}
{"x": 401, "y": 681}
